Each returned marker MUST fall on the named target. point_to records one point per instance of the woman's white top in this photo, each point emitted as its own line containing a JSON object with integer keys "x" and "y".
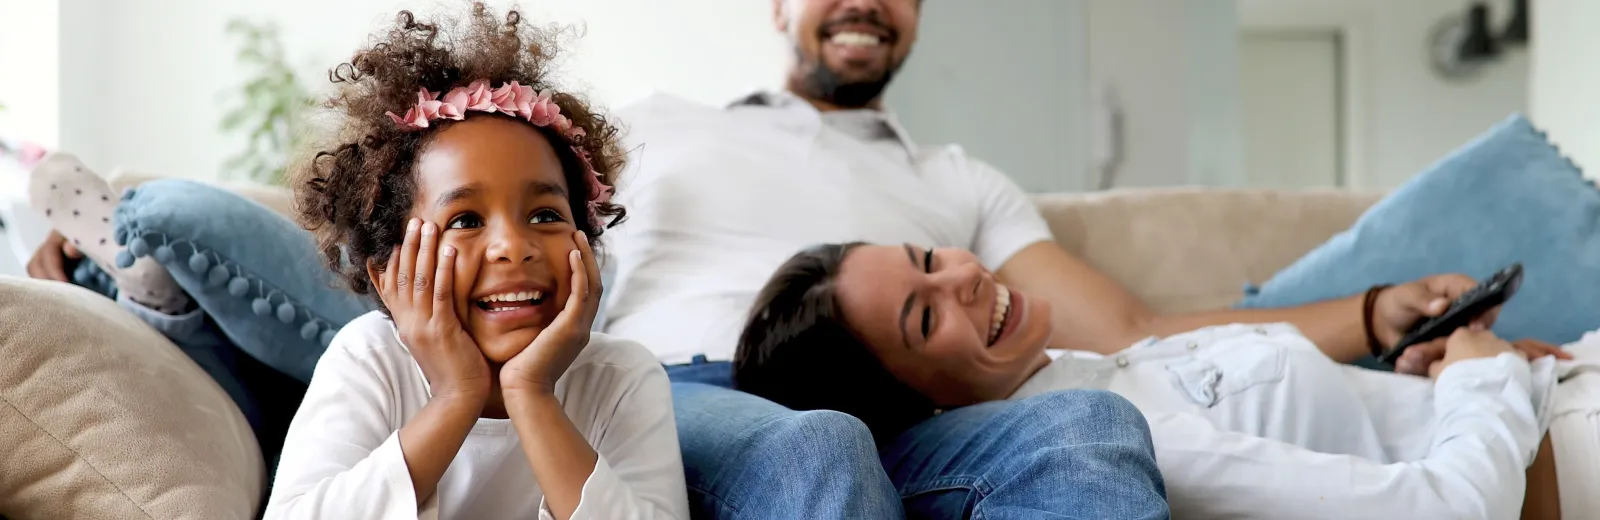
{"x": 1252, "y": 421}
{"x": 342, "y": 458}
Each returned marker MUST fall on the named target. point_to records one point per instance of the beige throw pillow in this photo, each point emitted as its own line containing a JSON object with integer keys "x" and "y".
{"x": 102, "y": 417}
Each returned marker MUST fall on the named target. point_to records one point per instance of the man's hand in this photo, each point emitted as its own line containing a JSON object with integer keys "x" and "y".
{"x": 1400, "y": 307}
{"x": 49, "y": 262}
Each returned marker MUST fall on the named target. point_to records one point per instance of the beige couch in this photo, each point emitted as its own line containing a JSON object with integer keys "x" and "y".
{"x": 1178, "y": 249}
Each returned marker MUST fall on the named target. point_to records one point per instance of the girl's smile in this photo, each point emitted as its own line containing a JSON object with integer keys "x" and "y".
{"x": 496, "y": 188}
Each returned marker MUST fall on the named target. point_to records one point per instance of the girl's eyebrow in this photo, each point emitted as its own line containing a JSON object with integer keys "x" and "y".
{"x": 538, "y": 188}
{"x": 463, "y": 192}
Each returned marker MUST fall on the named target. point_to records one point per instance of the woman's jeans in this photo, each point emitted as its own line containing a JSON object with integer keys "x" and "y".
{"x": 1081, "y": 454}
{"x": 268, "y": 307}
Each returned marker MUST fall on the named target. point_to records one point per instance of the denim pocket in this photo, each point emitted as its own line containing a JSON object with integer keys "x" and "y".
{"x": 1220, "y": 371}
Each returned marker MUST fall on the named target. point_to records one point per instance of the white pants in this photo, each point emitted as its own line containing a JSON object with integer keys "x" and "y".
{"x": 1575, "y": 431}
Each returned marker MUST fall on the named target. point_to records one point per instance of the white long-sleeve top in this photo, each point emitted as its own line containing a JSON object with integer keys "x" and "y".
{"x": 1254, "y": 422}
{"x": 342, "y": 458}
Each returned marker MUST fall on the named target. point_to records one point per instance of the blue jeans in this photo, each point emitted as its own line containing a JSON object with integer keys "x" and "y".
{"x": 228, "y": 253}
{"x": 1078, "y": 454}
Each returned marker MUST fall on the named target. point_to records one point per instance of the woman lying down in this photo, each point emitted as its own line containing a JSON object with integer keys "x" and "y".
{"x": 1248, "y": 421}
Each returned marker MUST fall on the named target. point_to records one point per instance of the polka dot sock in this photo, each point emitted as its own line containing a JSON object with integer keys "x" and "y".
{"x": 79, "y": 204}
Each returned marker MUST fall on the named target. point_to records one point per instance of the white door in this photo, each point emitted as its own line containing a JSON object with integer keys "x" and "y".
{"x": 1290, "y": 92}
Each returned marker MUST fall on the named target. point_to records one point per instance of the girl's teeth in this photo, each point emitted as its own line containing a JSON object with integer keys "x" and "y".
{"x": 515, "y": 297}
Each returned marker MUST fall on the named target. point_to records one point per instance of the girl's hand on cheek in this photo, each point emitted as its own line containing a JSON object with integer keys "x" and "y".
{"x": 537, "y": 367}
{"x": 418, "y": 287}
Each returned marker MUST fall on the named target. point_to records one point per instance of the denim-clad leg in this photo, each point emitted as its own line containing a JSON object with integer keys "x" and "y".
{"x": 749, "y": 458}
{"x": 199, "y": 339}
{"x": 1074, "y": 454}
{"x": 255, "y": 272}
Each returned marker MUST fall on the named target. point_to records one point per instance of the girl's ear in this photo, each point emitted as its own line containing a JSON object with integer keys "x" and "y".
{"x": 375, "y": 275}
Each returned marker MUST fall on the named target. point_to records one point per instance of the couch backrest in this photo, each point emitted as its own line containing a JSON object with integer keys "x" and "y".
{"x": 1188, "y": 249}
{"x": 1178, "y": 249}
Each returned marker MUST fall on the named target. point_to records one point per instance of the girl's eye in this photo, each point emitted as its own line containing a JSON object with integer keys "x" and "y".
{"x": 545, "y": 216}
{"x": 465, "y": 221}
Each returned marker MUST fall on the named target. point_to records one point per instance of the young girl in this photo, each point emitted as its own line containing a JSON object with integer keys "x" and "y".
{"x": 466, "y": 196}
{"x": 1248, "y": 421}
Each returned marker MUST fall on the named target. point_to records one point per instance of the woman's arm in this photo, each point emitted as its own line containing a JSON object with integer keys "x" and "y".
{"x": 1092, "y": 312}
{"x": 622, "y": 407}
{"x": 1475, "y": 468}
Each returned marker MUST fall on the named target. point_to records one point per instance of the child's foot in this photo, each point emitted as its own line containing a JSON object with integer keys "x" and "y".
{"x": 79, "y": 204}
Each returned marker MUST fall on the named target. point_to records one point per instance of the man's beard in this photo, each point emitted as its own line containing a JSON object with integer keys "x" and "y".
{"x": 824, "y": 84}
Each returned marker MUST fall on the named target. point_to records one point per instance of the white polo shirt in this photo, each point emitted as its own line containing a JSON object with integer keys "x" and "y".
{"x": 719, "y": 197}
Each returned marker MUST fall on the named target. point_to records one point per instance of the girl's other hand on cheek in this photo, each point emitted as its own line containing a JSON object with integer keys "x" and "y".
{"x": 537, "y": 367}
{"x": 418, "y": 287}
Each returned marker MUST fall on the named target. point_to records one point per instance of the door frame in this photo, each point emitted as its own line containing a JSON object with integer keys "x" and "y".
{"x": 1351, "y": 20}
{"x": 1341, "y": 107}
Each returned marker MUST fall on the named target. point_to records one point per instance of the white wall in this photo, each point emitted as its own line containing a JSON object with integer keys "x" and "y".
{"x": 1171, "y": 67}
{"x": 29, "y": 78}
{"x": 1020, "y": 73}
{"x": 1565, "y": 79}
{"x": 1402, "y": 116}
{"x": 147, "y": 78}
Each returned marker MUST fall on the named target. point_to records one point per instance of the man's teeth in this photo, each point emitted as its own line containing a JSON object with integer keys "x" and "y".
{"x": 1002, "y": 308}
{"x": 854, "y": 39}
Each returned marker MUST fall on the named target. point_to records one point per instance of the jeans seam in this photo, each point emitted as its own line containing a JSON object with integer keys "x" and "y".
{"x": 724, "y": 504}
{"x": 978, "y": 485}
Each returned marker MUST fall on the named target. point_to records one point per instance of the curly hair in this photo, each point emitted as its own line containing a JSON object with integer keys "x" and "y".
{"x": 355, "y": 193}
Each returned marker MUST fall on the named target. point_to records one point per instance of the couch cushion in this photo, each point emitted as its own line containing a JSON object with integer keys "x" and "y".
{"x": 1508, "y": 196}
{"x": 102, "y": 417}
{"x": 1190, "y": 249}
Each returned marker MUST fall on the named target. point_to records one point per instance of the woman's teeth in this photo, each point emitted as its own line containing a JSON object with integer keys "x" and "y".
{"x": 1002, "y": 309}
{"x": 854, "y": 39}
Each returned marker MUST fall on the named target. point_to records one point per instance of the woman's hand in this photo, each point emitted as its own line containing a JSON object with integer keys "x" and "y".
{"x": 537, "y": 367}
{"x": 418, "y": 287}
{"x": 1470, "y": 342}
{"x": 49, "y": 262}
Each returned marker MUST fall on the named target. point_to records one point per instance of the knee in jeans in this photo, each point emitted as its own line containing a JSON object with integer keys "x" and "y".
{"x": 1112, "y": 415}
{"x": 822, "y": 431}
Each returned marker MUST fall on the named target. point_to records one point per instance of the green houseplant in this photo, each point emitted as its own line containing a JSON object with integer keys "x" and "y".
{"x": 271, "y": 105}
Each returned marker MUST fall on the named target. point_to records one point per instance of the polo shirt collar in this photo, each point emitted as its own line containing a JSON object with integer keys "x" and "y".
{"x": 785, "y": 100}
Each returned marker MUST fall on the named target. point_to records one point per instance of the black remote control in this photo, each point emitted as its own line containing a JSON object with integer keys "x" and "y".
{"x": 1487, "y": 295}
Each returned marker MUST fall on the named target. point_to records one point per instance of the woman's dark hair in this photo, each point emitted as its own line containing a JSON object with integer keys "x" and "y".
{"x": 797, "y": 351}
{"x": 356, "y": 193}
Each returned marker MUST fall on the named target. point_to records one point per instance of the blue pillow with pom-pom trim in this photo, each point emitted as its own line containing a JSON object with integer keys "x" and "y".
{"x": 1508, "y": 196}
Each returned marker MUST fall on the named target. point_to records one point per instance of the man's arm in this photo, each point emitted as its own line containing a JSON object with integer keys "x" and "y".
{"x": 1092, "y": 312}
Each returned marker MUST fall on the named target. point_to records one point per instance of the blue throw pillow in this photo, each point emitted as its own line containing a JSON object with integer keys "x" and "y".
{"x": 1507, "y": 196}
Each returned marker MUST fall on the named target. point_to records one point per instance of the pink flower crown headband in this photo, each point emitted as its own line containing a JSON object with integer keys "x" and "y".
{"x": 511, "y": 99}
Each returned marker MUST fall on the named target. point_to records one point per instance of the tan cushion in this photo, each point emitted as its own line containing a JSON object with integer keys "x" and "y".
{"x": 1189, "y": 249}
{"x": 102, "y": 417}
